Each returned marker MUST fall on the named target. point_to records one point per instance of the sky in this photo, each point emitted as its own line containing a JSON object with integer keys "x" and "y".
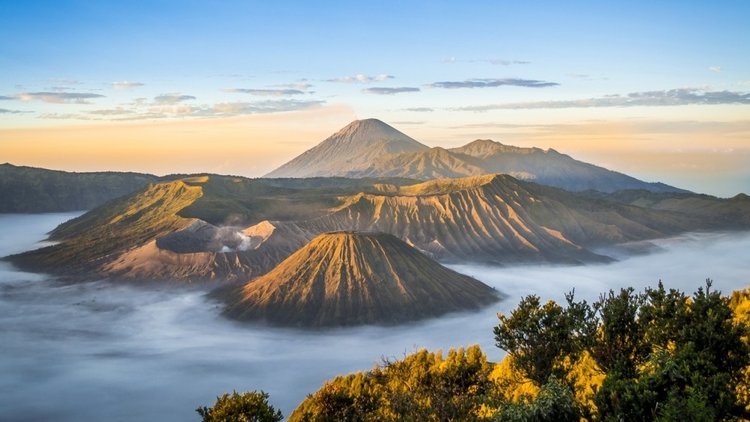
{"x": 658, "y": 90}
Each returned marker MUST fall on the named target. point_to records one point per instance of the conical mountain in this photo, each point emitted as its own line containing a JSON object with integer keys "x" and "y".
{"x": 349, "y": 150}
{"x": 349, "y": 278}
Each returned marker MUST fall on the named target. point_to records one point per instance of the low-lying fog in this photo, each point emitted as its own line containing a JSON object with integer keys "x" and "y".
{"x": 98, "y": 351}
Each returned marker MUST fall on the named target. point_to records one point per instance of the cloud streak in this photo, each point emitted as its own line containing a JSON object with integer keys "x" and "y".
{"x": 420, "y": 109}
{"x": 390, "y": 91}
{"x": 126, "y": 85}
{"x": 174, "y": 98}
{"x": 496, "y": 62}
{"x": 59, "y": 97}
{"x": 267, "y": 92}
{"x": 6, "y": 111}
{"x": 493, "y": 83}
{"x": 5, "y": 97}
{"x": 673, "y": 97}
{"x": 259, "y": 107}
{"x": 361, "y": 78}
{"x": 112, "y": 112}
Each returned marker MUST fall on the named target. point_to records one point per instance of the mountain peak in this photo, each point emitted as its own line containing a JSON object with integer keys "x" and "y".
{"x": 352, "y": 148}
{"x": 369, "y": 131}
{"x": 352, "y": 278}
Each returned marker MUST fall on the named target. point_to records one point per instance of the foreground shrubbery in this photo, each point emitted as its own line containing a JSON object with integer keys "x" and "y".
{"x": 656, "y": 355}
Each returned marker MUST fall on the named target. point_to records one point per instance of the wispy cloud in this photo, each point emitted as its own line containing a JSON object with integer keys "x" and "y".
{"x": 173, "y": 98}
{"x": 390, "y": 91}
{"x": 59, "y": 97}
{"x": 493, "y": 83}
{"x": 267, "y": 92}
{"x": 126, "y": 85}
{"x": 497, "y": 62}
{"x": 420, "y": 109}
{"x": 716, "y": 69}
{"x": 302, "y": 85}
{"x": 112, "y": 111}
{"x": 6, "y": 111}
{"x": 5, "y": 97}
{"x": 673, "y": 97}
{"x": 65, "y": 116}
{"x": 408, "y": 122}
{"x": 361, "y": 78}
{"x": 258, "y": 107}
{"x": 65, "y": 81}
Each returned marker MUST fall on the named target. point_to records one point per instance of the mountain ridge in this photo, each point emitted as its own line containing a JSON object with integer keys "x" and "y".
{"x": 25, "y": 189}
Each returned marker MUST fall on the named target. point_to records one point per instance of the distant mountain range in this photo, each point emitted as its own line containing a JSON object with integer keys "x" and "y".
{"x": 34, "y": 190}
{"x": 347, "y": 278}
{"x": 235, "y": 229}
{"x": 372, "y": 148}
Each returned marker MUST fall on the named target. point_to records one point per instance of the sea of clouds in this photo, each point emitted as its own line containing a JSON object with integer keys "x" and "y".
{"x": 105, "y": 351}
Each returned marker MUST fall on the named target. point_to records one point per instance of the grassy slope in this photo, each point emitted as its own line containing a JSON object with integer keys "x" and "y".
{"x": 115, "y": 227}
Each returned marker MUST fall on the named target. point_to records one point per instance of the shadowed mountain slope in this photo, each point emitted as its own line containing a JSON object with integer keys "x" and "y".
{"x": 546, "y": 167}
{"x": 32, "y": 190}
{"x": 350, "y": 278}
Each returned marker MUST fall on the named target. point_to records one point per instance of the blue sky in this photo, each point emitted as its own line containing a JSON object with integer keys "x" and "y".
{"x": 446, "y": 71}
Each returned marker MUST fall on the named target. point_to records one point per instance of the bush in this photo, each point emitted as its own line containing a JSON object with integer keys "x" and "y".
{"x": 251, "y": 406}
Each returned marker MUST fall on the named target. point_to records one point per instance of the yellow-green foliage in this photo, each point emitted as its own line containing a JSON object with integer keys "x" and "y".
{"x": 740, "y": 303}
{"x": 423, "y": 386}
{"x": 586, "y": 376}
{"x": 511, "y": 383}
{"x": 512, "y": 386}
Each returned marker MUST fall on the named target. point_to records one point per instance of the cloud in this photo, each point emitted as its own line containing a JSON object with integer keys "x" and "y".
{"x": 6, "y": 111}
{"x": 267, "y": 92}
{"x": 716, "y": 69}
{"x": 362, "y": 79}
{"x": 493, "y": 83}
{"x": 496, "y": 62}
{"x": 112, "y": 112}
{"x": 302, "y": 86}
{"x": 126, "y": 85}
{"x": 420, "y": 109}
{"x": 390, "y": 91}
{"x": 5, "y": 97}
{"x": 59, "y": 97}
{"x": 673, "y": 97}
{"x": 408, "y": 122}
{"x": 259, "y": 107}
{"x": 65, "y": 116}
{"x": 173, "y": 98}
{"x": 64, "y": 81}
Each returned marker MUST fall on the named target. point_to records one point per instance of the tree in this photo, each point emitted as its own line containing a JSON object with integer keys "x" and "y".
{"x": 554, "y": 403}
{"x": 667, "y": 355}
{"x": 423, "y": 386}
{"x": 246, "y": 407}
{"x": 541, "y": 338}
